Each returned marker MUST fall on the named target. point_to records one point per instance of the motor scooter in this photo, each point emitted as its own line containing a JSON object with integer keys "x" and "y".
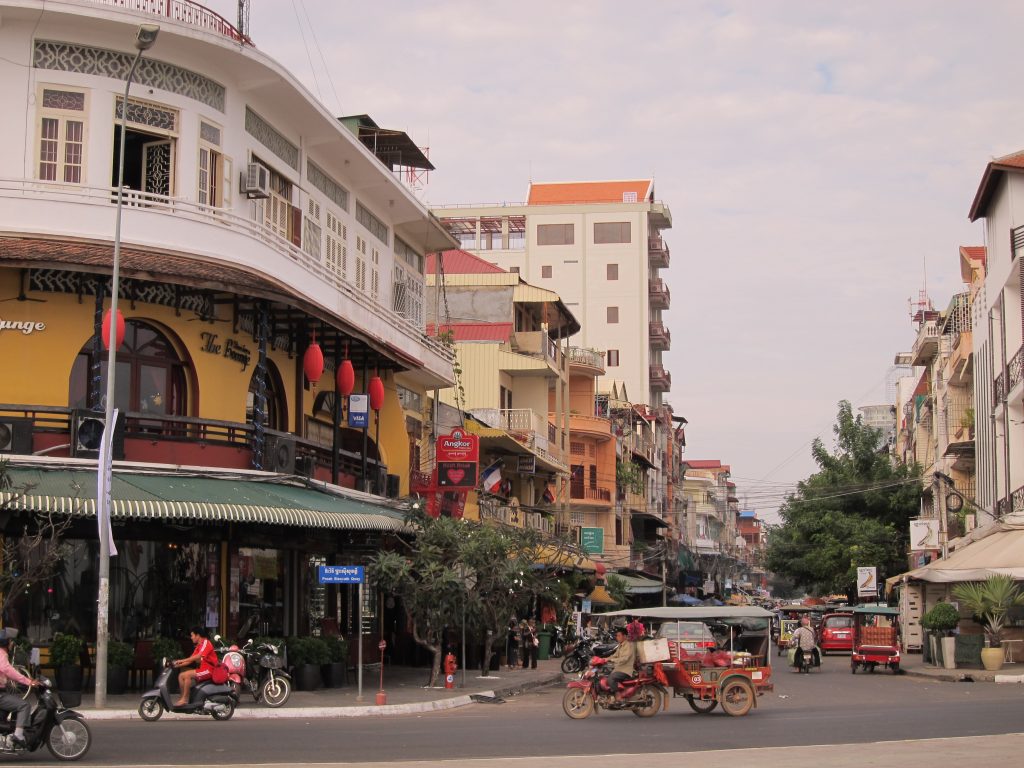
{"x": 62, "y": 730}
{"x": 643, "y": 694}
{"x": 205, "y": 698}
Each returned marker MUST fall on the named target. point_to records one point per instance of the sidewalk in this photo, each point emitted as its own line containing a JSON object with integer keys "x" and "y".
{"x": 913, "y": 664}
{"x": 403, "y": 686}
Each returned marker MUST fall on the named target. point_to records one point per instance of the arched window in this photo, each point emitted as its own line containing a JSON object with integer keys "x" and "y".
{"x": 277, "y": 410}
{"x": 151, "y": 376}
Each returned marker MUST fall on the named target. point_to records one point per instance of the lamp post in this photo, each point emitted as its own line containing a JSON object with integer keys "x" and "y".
{"x": 144, "y": 39}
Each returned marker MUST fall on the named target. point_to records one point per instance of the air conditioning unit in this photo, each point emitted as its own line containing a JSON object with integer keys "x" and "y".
{"x": 279, "y": 454}
{"x": 87, "y": 429}
{"x": 256, "y": 181}
{"x": 15, "y": 435}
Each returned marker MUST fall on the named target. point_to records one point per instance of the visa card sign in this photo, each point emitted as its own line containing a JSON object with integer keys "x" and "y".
{"x": 359, "y": 411}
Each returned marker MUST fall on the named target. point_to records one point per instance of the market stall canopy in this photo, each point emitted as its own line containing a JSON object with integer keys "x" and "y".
{"x": 637, "y": 585}
{"x": 161, "y": 495}
{"x": 550, "y": 556}
{"x": 998, "y": 548}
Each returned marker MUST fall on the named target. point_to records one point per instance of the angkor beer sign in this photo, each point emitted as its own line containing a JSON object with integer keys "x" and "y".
{"x": 458, "y": 454}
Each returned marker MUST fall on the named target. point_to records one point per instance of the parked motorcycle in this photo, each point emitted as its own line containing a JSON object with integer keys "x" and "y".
{"x": 578, "y": 654}
{"x": 643, "y": 694}
{"x": 263, "y": 673}
{"x": 557, "y": 642}
{"x": 62, "y": 730}
{"x": 205, "y": 698}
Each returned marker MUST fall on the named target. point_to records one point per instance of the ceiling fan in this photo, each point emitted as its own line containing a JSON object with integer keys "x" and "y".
{"x": 22, "y": 293}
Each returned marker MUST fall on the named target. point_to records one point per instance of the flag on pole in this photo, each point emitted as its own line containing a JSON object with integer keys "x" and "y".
{"x": 549, "y": 495}
{"x": 103, "y": 482}
{"x": 490, "y": 478}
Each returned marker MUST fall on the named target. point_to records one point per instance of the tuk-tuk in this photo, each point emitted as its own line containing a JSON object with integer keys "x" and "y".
{"x": 876, "y": 638}
{"x": 733, "y": 674}
{"x": 790, "y": 620}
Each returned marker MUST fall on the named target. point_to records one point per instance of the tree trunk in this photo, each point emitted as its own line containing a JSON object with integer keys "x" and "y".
{"x": 434, "y": 648}
{"x": 485, "y": 662}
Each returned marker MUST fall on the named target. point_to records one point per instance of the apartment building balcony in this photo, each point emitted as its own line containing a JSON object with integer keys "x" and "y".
{"x": 926, "y": 345}
{"x": 657, "y": 253}
{"x": 539, "y": 345}
{"x": 1014, "y": 503}
{"x": 583, "y": 360}
{"x": 661, "y": 379}
{"x": 658, "y": 294}
{"x": 183, "y": 11}
{"x": 642, "y": 447}
{"x": 529, "y": 429}
{"x": 660, "y": 216}
{"x": 659, "y": 335}
{"x": 591, "y": 426}
{"x": 596, "y": 495}
{"x": 960, "y": 367}
{"x": 1009, "y": 378}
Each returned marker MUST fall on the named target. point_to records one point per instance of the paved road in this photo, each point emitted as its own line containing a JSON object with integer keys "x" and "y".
{"x": 830, "y": 706}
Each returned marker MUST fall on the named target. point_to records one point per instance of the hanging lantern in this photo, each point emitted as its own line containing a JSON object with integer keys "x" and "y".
{"x": 376, "y": 393}
{"x": 313, "y": 362}
{"x": 346, "y": 378}
{"x": 105, "y": 333}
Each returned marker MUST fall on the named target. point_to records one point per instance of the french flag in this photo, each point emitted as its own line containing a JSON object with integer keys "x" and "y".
{"x": 490, "y": 479}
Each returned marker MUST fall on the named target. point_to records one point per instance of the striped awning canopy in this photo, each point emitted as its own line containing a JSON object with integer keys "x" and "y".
{"x": 241, "y": 498}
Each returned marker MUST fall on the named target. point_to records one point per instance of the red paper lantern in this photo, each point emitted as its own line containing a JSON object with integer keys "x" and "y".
{"x": 313, "y": 363}
{"x": 376, "y": 393}
{"x": 346, "y": 379}
{"x": 105, "y": 333}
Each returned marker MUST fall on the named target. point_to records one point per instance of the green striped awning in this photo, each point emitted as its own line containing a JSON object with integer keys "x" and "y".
{"x": 176, "y": 496}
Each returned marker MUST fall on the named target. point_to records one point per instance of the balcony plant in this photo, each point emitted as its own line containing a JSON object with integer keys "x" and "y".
{"x": 989, "y": 601}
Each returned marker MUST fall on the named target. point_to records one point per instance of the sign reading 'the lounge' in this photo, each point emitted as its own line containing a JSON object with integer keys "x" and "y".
{"x": 458, "y": 455}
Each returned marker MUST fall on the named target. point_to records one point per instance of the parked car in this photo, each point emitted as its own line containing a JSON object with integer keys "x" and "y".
{"x": 694, "y": 637}
{"x": 836, "y": 632}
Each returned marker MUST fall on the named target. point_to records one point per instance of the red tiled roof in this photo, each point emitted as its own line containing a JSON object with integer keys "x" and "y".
{"x": 476, "y": 331}
{"x": 457, "y": 262}
{"x": 703, "y": 463}
{"x": 589, "y": 192}
{"x": 1012, "y": 163}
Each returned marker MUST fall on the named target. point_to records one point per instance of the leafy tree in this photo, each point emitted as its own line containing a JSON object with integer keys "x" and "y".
{"x": 32, "y": 552}
{"x": 854, "y": 511}
{"x": 617, "y": 588}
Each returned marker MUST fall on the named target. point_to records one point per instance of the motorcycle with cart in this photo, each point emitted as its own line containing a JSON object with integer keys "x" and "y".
{"x": 876, "y": 638}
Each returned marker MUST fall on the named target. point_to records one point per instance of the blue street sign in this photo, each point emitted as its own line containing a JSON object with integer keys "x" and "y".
{"x": 341, "y": 574}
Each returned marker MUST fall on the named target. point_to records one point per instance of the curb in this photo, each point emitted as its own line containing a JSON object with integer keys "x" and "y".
{"x": 296, "y": 713}
{"x": 966, "y": 676}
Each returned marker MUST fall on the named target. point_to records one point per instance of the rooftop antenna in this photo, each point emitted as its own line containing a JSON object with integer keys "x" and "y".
{"x": 921, "y": 311}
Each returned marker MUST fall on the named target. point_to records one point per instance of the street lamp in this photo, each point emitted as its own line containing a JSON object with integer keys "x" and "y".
{"x": 144, "y": 40}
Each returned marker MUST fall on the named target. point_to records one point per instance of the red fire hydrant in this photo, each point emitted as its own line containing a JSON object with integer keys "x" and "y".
{"x": 449, "y": 670}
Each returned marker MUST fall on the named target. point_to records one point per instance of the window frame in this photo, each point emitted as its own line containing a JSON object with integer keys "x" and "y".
{"x": 549, "y": 229}
{"x": 605, "y": 238}
{"x": 63, "y": 117}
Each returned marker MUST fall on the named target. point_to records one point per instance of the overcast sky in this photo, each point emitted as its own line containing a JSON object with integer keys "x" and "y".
{"x": 818, "y": 158}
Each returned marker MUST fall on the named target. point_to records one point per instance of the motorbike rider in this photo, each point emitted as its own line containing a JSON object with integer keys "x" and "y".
{"x": 622, "y": 659}
{"x": 205, "y": 654}
{"x": 12, "y": 702}
{"x": 804, "y": 641}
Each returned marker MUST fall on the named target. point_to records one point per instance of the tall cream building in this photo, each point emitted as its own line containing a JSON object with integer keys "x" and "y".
{"x": 599, "y": 246}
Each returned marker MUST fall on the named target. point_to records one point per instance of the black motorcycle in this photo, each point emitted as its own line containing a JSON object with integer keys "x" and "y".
{"x": 265, "y": 677}
{"x": 205, "y": 698}
{"x": 578, "y": 655}
{"x": 62, "y": 730}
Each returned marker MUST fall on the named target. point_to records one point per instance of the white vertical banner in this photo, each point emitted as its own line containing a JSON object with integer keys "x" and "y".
{"x": 867, "y": 581}
{"x": 104, "y": 481}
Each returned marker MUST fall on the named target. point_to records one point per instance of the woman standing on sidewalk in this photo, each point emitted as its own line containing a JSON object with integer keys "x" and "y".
{"x": 512, "y": 644}
{"x": 530, "y": 643}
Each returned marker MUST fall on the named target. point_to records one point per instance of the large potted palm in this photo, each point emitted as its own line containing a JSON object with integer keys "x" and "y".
{"x": 989, "y": 601}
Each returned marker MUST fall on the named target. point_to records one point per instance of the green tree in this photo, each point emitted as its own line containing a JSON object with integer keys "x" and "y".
{"x": 854, "y": 511}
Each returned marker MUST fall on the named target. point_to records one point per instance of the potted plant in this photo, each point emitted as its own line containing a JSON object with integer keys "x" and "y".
{"x": 120, "y": 658}
{"x": 335, "y": 671}
{"x": 989, "y": 601}
{"x": 164, "y": 647}
{"x": 941, "y": 620}
{"x": 307, "y": 654}
{"x": 65, "y": 656}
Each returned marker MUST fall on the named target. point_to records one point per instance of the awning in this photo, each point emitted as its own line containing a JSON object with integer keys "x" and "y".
{"x": 647, "y": 517}
{"x": 998, "y": 548}
{"x": 243, "y": 498}
{"x": 637, "y": 585}
{"x": 554, "y": 557}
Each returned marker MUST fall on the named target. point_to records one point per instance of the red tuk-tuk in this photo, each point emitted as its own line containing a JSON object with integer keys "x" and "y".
{"x": 876, "y": 638}
{"x": 733, "y": 674}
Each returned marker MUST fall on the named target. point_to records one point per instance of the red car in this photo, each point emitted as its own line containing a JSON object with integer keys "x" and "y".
{"x": 836, "y": 633}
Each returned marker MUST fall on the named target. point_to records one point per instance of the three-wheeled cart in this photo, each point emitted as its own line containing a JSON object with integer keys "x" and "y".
{"x": 876, "y": 638}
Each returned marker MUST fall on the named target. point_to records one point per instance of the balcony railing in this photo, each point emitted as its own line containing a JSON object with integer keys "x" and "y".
{"x": 1012, "y": 504}
{"x": 657, "y": 253}
{"x": 660, "y": 378}
{"x": 1009, "y": 378}
{"x": 1017, "y": 240}
{"x": 590, "y": 494}
{"x": 587, "y": 358}
{"x": 660, "y": 335}
{"x": 536, "y": 344}
{"x": 527, "y": 427}
{"x": 187, "y": 12}
{"x": 186, "y": 210}
{"x": 659, "y": 294}
{"x": 927, "y": 343}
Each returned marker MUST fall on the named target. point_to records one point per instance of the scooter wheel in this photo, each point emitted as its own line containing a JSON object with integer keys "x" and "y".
{"x": 577, "y": 703}
{"x": 223, "y": 710}
{"x": 151, "y": 709}
{"x": 69, "y": 740}
{"x": 275, "y": 692}
{"x": 572, "y": 664}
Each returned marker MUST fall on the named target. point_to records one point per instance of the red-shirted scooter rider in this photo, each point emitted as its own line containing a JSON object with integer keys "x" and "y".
{"x": 207, "y": 658}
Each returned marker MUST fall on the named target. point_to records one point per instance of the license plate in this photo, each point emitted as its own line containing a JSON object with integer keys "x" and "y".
{"x": 842, "y": 634}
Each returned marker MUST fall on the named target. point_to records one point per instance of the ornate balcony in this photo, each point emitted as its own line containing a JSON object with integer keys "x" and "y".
{"x": 926, "y": 346}
{"x": 660, "y": 336}
{"x": 586, "y": 360}
{"x": 185, "y": 11}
